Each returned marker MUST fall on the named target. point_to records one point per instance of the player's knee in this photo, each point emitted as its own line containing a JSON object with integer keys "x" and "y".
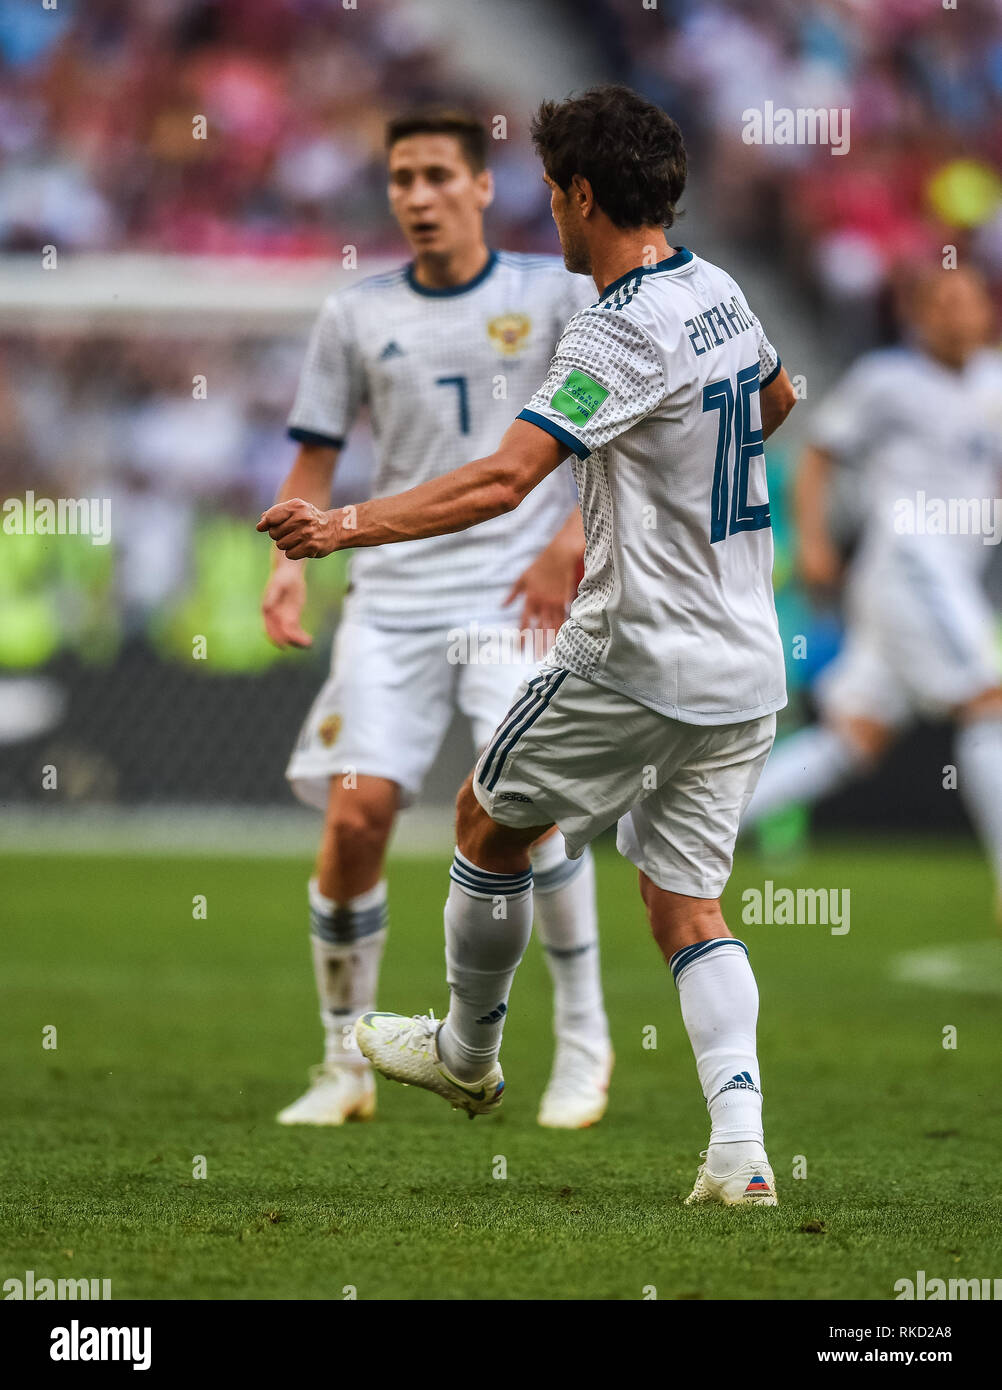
{"x": 678, "y": 920}
{"x": 363, "y": 821}
{"x": 867, "y": 739}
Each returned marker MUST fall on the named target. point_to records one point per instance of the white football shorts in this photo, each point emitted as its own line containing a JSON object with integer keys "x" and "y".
{"x": 390, "y": 698}
{"x": 583, "y": 757}
{"x": 920, "y": 640}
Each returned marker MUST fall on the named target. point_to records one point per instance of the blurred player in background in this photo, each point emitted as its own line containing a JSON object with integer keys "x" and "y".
{"x": 657, "y": 706}
{"x": 435, "y": 349}
{"x": 921, "y": 426}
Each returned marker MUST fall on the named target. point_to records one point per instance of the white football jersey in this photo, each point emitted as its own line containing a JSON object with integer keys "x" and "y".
{"x": 655, "y": 390}
{"x": 924, "y": 440}
{"x": 441, "y": 372}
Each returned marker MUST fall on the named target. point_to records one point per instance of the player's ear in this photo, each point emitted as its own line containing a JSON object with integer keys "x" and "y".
{"x": 581, "y": 193}
{"x": 485, "y": 187}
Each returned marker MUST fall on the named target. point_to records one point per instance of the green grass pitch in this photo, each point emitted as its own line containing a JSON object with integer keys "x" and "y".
{"x": 180, "y": 1038}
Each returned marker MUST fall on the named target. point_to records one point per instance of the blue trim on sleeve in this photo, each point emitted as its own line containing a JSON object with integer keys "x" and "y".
{"x": 772, "y": 375}
{"x": 328, "y": 441}
{"x": 558, "y": 432}
{"x": 450, "y": 290}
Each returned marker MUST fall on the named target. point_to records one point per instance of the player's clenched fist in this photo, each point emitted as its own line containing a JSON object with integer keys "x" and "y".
{"x": 302, "y": 530}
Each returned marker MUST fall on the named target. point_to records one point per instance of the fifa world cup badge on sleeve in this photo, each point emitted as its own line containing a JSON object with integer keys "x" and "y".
{"x": 579, "y": 397}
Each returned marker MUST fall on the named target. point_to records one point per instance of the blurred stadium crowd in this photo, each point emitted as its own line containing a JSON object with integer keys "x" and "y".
{"x": 96, "y": 128}
{"x": 97, "y": 155}
{"x": 97, "y": 125}
{"x": 923, "y": 85}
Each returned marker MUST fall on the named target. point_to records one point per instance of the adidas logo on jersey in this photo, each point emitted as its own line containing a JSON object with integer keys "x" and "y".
{"x": 391, "y": 349}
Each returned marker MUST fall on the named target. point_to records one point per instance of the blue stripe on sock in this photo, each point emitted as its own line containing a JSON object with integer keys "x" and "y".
{"x": 566, "y": 952}
{"x": 488, "y": 890}
{"x": 464, "y": 866}
{"x": 688, "y": 955}
{"x": 345, "y": 925}
{"x": 549, "y": 880}
{"x": 482, "y": 884}
{"x": 483, "y": 881}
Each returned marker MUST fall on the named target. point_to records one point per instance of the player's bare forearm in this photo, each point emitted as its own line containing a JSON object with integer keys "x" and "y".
{"x": 310, "y": 477}
{"x": 810, "y": 494}
{"x": 777, "y": 399}
{"x": 478, "y": 491}
{"x": 454, "y": 502}
{"x": 817, "y": 558}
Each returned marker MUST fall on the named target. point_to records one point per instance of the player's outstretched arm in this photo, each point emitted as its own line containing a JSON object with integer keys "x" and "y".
{"x": 310, "y": 477}
{"x": 476, "y": 492}
{"x": 778, "y": 399}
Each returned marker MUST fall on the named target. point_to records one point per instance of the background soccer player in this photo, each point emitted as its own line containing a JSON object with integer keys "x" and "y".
{"x": 919, "y": 426}
{"x": 434, "y": 349}
{"x": 657, "y": 706}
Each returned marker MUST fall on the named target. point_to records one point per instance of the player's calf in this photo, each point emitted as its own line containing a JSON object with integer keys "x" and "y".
{"x": 496, "y": 848}
{"x": 357, "y": 826}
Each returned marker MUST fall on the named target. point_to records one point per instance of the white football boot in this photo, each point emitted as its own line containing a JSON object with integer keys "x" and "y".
{"x": 750, "y": 1185}
{"x": 335, "y": 1094}
{"x": 406, "y": 1050}
{"x": 578, "y": 1089}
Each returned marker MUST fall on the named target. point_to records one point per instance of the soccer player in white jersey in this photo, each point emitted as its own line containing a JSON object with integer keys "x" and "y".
{"x": 656, "y": 708}
{"x": 921, "y": 427}
{"x": 436, "y": 350}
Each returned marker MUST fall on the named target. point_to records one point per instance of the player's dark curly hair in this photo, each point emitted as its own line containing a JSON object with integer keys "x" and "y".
{"x": 629, "y": 150}
{"x": 443, "y": 120}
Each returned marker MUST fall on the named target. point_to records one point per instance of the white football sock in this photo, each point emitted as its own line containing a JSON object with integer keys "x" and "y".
{"x": 488, "y": 921}
{"x": 809, "y": 765}
{"x": 564, "y": 896}
{"x": 979, "y": 777}
{"x": 719, "y": 1001}
{"x": 348, "y": 940}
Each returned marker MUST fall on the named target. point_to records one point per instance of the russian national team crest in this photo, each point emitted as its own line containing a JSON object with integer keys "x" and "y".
{"x": 509, "y": 332}
{"x": 329, "y": 729}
